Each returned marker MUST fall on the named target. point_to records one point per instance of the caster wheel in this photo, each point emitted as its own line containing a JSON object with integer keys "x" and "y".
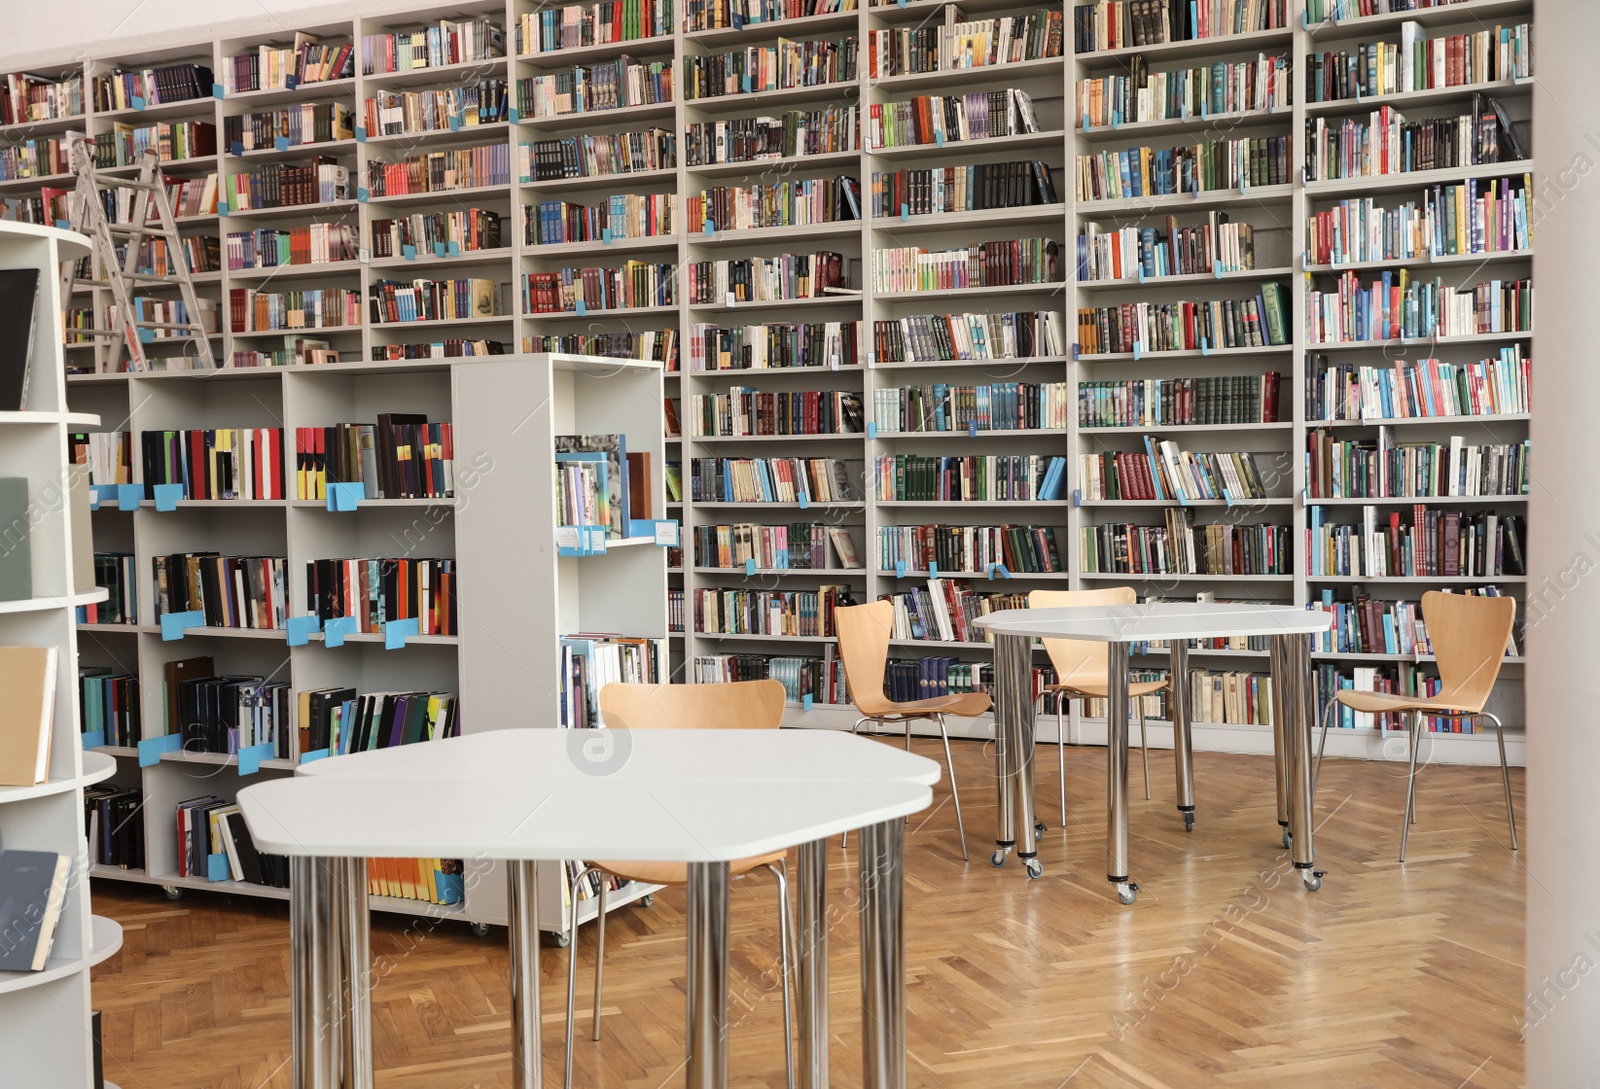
{"x": 479, "y": 930}
{"x": 1188, "y": 822}
{"x": 647, "y": 900}
{"x": 1035, "y": 868}
{"x": 173, "y": 892}
{"x": 1313, "y": 879}
{"x": 1127, "y": 891}
{"x": 998, "y": 858}
{"x": 1039, "y": 829}
{"x": 560, "y": 941}
{"x": 1288, "y": 840}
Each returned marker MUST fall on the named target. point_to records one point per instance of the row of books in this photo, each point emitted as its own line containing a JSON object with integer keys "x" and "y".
{"x": 209, "y": 828}
{"x": 826, "y": 130}
{"x": 1179, "y": 402}
{"x": 932, "y": 676}
{"x": 428, "y": 880}
{"x": 341, "y": 721}
{"x": 441, "y": 171}
{"x": 597, "y": 155}
{"x": 297, "y": 350}
{"x": 1382, "y": 468}
{"x": 722, "y": 611}
{"x": 393, "y": 113}
{"x": 795, "y": 202}
{"x": 125, "y": 89}
{"x": 942, "y": 119}
{"x": 113, "y": 817}
{"x": 821, "y": 679}
{"x": 155, "y": 257}
{"x": 377, "y": 591}
{"x": 973, "y": 478}
{"x": 626, "y": 475}
{"x": 957, "y": 43}
{"x": 982, "y": 264}
{"x": 767, "y": 279}
{"x": 753, "y": 69}
{"x": 187, "y": 197}
{"x": 244, "y": 463}
{"x": 620, "y": 215}
{"x": 997, "y": 406}
{"x": 1218, "y": 243}
{"x": 1166, "y": 472}
{"x": 109, "y": 703}
{"x": 1385, "y": 143}
{"x": 589, "y": 662}
{"x": 1419, "y": 390}
{"x": 738, "y": 14}
{"x": 228, "y": 591}
{"x": 1404, "y": 678}
{"x": 940, "y": 338}
{"x": 660, "y": 345}
{"x": 224, "y": 714}
{"x": 401, "y": 456}
{"x": 280, "y": 67}
{"x": 1120, "y": 24}
{"x": 107, "y": 455}
{"x": 277, "y": 247}
{"x": 432, "y": 300}
{"x": 1318, "y": 11}
{"x": 944, "y": 611}
{"x": 449, "y": 41}
{"x": 744, "y": 410}
{"x": 251, "y": 311}
{"x": 1436, "y": 543}
{"x": 1367, "y": 625}
{"x": 1179, "y": 547}
{"x": 25, "y": 98}
{"x": 1203, "y": 324}
{"x": 1395, "y": 305}
{"x": 773, "y": 346}
{"x": 306, "y": 123}
{"x": 465, "y": 230}
{"x": 115, "y": 571}
{"x": 450, "y": 348}
{"x": 284, "y": 185}
{"x": 773, "y": 480}
{"x": 40, "y": 157}
{"x": 974, "y": 187}
{"x": 798, "y": 546}
{"x": 576, "y": 26}
{"x": 172, "y": 141}
{"x": 630, "y": 285}
{"x": 962, "y": 549}
{"x": 591, "y": 88}
{"x": 1207, "y": 166}
{"x": 1420, "y": 63}
{"x": 1222, "y": 87}
{"x": 1492, "y": 215}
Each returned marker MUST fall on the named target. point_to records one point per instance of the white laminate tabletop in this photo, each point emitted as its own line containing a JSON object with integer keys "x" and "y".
{"x": 1162, "y": 620}
{"x": 651, "y": 795}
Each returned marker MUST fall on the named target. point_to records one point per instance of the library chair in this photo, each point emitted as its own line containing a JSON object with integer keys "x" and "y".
{"x": 1469, "y": 636}
{"x": 863, "y": 632}
{"x": 1083, "y": 671}
{"x": 726, "y": 705}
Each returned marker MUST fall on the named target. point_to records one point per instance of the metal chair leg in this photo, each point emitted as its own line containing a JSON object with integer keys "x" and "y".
{"x": 1061, "y": 754}
{"x": 788, "y": 944}
{"x": 1411, "y": 787}
{"x": 1144, "y": 750}
{"x": 955, "y": 794}
{"x": 1505, "y": 775}
{"x": 599, "y": 955}
{"x": 1327, "y": 720}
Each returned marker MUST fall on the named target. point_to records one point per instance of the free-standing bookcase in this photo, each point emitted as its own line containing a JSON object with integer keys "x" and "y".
{"x": 45, "y": 1016}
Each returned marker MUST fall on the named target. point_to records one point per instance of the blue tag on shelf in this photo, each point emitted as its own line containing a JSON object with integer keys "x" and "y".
{"x": 583, "y": 310}
{"x": 217, "y": 91}
{"x": 938, "y": 137}
{"x": 749, "y": 567}
{"x": 605, "y": 235}
{"x": 335, "y": 629}
{"x": 1205, "y": 345}
{"x": 933, "y": 570}
{"x": 129, "y": 496}
{"x": 452, "y": 247}
{"x": 1001, "y": 569}
{"x": 250, "y": 757}
{"x": 138, "y": 103}
{"x": 151, "y": 748}
{"x": 101, "y": 493}
{"x": 804, "y": 502}
{"x": 438, "y": 249}
{"x": 900, "y": 569}
{"x": 313, "y": 756}
{"x": 300, "y": 629}
{"x": 409, "y": 252}
{"x": 1305, "y": 20}
{"x": 361, "y": 134}
{"x": 1074, "y": 349}
{"x": 805, "y": 701}
{"x": 345, "y": 495}
{"x": 147, "y": 336}
{"x": 902, "y": 3}
{"x": 746, "y": 82}
{"x": 235, "y": 148}
{"x": 281, "y": 143}
{"x": 65, "y": 225}
{"x": 173, "y": 624}
{"x": 972, "y": 429}
{"x": 872, "y": 430}
{"x": 395, "y": 632}
{"x": 362, "y": 194}
{"x": 1077, "y": 497}
{"x": 93, "y": 739}
{"x": 1205, "y": 111}
{"x": 1216, "y": 270}
{"x": 222, "y": 207}
{"x": 1141, "y": 273}
{"x": 1138, "y": 350}
{"x": 513, "y": 115}
{"x": 710, "y": 230}
{"x": 905, "y": 212}
{"x": 167, "y": 496}
{"x": 217, "y": 868}
{"x": 664, "y": 531}
{"x": 455, "y": 122}
{"x": 1114, "y": 123}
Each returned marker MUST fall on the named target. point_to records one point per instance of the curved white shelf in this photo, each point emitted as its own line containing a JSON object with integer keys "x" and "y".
{"x": 75, "y": 419}
{"x": 96, "y": 766}
{"x": 105, "y": 939}
{"x": 40, "y": 604}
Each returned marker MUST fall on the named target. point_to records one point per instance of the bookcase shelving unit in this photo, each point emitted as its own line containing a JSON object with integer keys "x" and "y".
{"x": 1280, "y": 208}
{"x": 44, "y": 1014}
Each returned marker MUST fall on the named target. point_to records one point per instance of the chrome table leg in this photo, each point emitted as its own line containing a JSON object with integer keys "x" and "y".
{"x": 707, "y": 988}
{"x": 1282, "y": 709}
{"x": 1013, "y": 752}
{"x": 1182, "y": 739}
{"x": 883, "y": 973}
{"x": 1117, "y": 773}
{"x": 812, "y": 892}
{"x": 527, "y": 1060}
{"x": 356, "y": 968}
{"x": 316, "y": 980}
{"x": 1294, "y": 734}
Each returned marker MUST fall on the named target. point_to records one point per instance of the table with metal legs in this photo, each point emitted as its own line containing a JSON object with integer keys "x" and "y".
{"x": 1293, "y": 699}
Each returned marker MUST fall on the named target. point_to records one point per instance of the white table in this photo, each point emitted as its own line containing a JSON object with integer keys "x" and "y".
{"x": 705, "y": 797}
{"x": 1293, "y": 696}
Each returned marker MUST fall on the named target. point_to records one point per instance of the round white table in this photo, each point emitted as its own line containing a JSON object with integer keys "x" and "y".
{"x": 1293, "y": 711}
{"x": 706, "y": 797}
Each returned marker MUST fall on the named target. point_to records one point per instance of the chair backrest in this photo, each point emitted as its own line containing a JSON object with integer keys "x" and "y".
{"x": 1085, "y": 660}
{"x": 1469, "y": 636}
{"x": 864, "y": 632}
{"x": 723, "y": 705}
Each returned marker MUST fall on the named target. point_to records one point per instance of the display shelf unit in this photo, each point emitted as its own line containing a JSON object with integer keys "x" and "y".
{"x": 44, "y": 1015}
{"x": 499, "y": 593}
{"x": 1279, "y": 207}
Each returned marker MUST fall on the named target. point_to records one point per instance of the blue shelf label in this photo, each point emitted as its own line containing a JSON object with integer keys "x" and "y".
{"x": 65, "y": 225}
{"x": 313, "y": 756}
{"x": 1205, "y": 345}
{"x": 409, "y": 252}
{"x": 905, "y": 211}
{"x": 452, "y": 247}
{"x": 151, "y": 748}
{"x": 972, "y": 429}
{"x": 138, "y": 103}
{"x": 1000, "y": 569}
{"x": 94, "y": 739}
{"x": 513, "y": 115}
{"x": 605, "y": 235}
{"x": 147, "y": 336}
{"x": 222, "y": 207}
{"x": 746, "y": 83}
{"x": 167, "y": 496}
{"x": 250, "y": 757}
{"x": 174, "y": 624}
{"x": 217, "y": 91}
{"x": 395, "y": 632}
{"x": 217, "y": 868}
{"x": 438, "y": 249}
{"x": 235, "y": 148}
{"x": 345, "y": 495}
{"x": 363, "y": 194}
{"x": 805, "y": 701}
{"x": 455, "y": 122}
{"x": 101, "y": 493}
{"x": 299, "y": 629}
{"x": 281, "y": 143}
{"x": 334, "y": 630}
{"x": 749, "y": 567}
{"x": 933, "y": 570}
{"x": 872, "y": 429}
{"x": 938, "y": 137}
{"x": 583, "y": 310}
{"x": 361, "y": 134}
{"x": 900, "y": 568}
{"x": 804, "y": 501}
{"x": 1138, "y": 350}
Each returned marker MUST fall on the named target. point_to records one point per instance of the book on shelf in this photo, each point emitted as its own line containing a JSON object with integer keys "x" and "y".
{"x": 253, "y": 311}
{"x": 33, "y": 888}
{"x": 1121, "y": 24}
{"x": 107, "y": 455}
{"x": 28, "y": 677}
{"x": 999, "y": 263}
{"x": 744, "y": 410}
{"x": 972, "y": 187}
{"x": 1139, "y": 95}
{"x": 1385, "y": 143}
{"x": 773, "y": 480}
{"x": 229, "y": 591}
{"x": 795, "y": 202}
{"x": 284, "y": 67}
{"x": 1394, "y": 305}
{"x": 1433, "y": 543}
{"x": 826, "y": 130}
{"x": 1257, "y": 321}
{"x": 1368, "y": 625}
{"x": 298, "y": 125}
{"x": 287, "y": 185}
{"x": 597, "y": 155}
{"x": 944, "y": 611}
{"x": 25, "y": 98}
{"x": 109, "y": 704}
{"x": 592, "y": 660}
{"x": 223, "y": 714}
{"x": 786, "y": 65}
{"x": 274, "y": 247}
{"x": 785, "y": 276}
{"x": 397, "y": 113}
{"x": 940, "y": 338}
{"x": 122, "y": 89}
{"x": 114, "y": 821}
{"x": 401, "y": 456}
{"x": 19, "y": 294}
{"x": 377, "y": 591}
{"x": 1420, "y": 63}
{"x": 630, "y": 285}
{"x": 392, "y": 301}
{"x": 1021, "y": 549}
{"x": 957, "y": 43}
{"x": 579, "y": 26}
{"x": 606, "y": 493}
{"x": 972, "y": 478}
{"x": 591, "y": 88}
{"x": 1165, "y": 472}
{"x": 442, "y": 171}
{"x": 1239, "y": 163}
{"x": 997, "y": 406}
{"x": 190, "y": 197}
{"x": 1476, "y": 216}
{"x": 703, "y": 15}
{"x": 776, "y": 613}
{"x": 798, "y": 546}
{"x": 774, "y": 346}
{"x": 174, "y": 674}
{"x": 1175, "y": 402}
{"x": 930, "y": 676}
{"x": 211, "y": 827}
{"x": 434, "y": 45}
{"x": 342, "y": 721}
{"x": 467, "y": 230}
{"x": 429, "y": 880}
{"x": 1418, "y": 390}
{"x": 941, "y": 119}
{"x": 116, "y": 573}
{"x": 618, "y": 216}
{"x": 452, "y": 348}
{"x": 244, "y": 463}
{"x": 1217, "y": 243}
{"x": 39, "y": 157}
{"x": 1179, "y": 547}
{"x": 821, "y": 678}
{"x": 657, "y": 345}
{"x": 172, "y": 141}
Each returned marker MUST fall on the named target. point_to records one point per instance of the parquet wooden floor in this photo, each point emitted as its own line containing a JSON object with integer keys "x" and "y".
{"x": 1226, "y": 973}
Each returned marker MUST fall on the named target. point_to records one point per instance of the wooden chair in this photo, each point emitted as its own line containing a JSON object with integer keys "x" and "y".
{"x": 864, "y": 648}
{"x": 722, "y": 706}
{"x": 1083, "y": 670}
{"x": 1469, "y": 636}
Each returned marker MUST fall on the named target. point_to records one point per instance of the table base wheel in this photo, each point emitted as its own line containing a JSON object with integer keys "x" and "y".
{"x": 1127, "y": 891}
{"x": 1035, "y": 868}
{"x": 1313, "y": 879}
{"x": 998, "y": 859}
{"x": 1188, "y": 819}
{"x": 1288, "y": 840}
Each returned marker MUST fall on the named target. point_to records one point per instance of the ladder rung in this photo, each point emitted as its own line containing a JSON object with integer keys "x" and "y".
{"x": 142, "y": 277}
{"x": 128, "y": 183}
{"x": 194, "y": 326}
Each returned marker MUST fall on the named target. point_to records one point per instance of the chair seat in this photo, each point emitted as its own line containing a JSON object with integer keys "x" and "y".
{"x": 1385, "y": 703}
{"x": 960, "y": 704}
{"x": 677, "y": 873}
{"x": 1100, "y": 691}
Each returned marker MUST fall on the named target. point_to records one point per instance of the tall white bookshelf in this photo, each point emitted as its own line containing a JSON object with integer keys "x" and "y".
{"x": 45, "y": 1016}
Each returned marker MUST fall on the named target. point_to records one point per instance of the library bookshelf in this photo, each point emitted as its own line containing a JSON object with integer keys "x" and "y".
{"x": 44, "y": 1015}
{"x": 1278, "y": 210}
